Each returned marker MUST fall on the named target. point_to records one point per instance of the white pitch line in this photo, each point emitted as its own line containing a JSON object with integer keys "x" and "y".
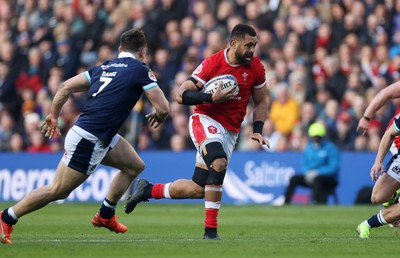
{"x": 96, "y": 240}
{"x": 325, "y": 239}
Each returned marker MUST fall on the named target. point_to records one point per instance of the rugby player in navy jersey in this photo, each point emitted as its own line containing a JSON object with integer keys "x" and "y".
{"x": 215, "y": 125}
{"x": 113, "y": 90}
{"x": 387, "y": 181}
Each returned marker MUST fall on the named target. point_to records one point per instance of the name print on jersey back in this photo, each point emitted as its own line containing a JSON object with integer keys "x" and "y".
{"x": 111, "y": 74}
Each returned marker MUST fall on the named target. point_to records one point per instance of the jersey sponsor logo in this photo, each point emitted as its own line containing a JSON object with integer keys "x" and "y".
{"x": 118, "y": 65}
{"x": 198, "y": 69}
{"x": 212, "y": 129}
{"x": 152, "y": 76}
{"x": 236, "y": 97}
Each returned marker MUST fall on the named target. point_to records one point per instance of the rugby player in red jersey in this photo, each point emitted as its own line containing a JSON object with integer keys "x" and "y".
{"x": 215, "y": 124}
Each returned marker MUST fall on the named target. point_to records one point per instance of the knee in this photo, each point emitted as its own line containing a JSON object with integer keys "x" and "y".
{"x": 58, "y": 192}
{"x": 133, "y": 170}
{"x": 140, "y": 168}
{"x": 376, "y": 198}
{"x": 379, "y": 197}
{"x": 220, "y": 164}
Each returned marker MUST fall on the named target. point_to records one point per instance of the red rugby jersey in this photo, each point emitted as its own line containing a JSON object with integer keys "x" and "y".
{"x": 230, "y": 114}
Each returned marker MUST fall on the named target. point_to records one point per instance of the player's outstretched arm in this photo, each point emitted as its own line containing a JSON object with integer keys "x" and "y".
{"x": 160, "y": 104}
{"x": 77, "y": 83}
{"x": 390, "y": 92}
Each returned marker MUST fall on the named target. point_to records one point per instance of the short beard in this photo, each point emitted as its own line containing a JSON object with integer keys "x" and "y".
{"x": 242, "y": 59}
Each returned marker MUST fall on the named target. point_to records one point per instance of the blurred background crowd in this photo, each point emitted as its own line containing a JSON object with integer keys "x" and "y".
{"x": 324, "y": 60}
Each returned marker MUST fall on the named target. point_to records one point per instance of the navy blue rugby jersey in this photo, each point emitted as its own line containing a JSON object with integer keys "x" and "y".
{"x": 396, "y": 123}
{"x": 116, "y": 86}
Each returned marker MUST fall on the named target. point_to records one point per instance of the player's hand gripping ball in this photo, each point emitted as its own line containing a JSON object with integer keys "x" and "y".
{"x": 228, "y": 82}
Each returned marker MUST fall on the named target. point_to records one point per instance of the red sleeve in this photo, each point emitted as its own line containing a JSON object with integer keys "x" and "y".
{"x": 204, "y": 71}
{"x": 261, "y": 72}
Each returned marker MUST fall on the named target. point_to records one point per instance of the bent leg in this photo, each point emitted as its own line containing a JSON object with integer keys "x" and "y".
{"x": 65, "y": 181}
{"x": 384, "y": 189}
{"x": 185, "y": 189}
{"x": 123, "y": 157}
{"x": 392, "y": 213}
{"x": 294, "y": 181}
{"x": 321, "y": 186}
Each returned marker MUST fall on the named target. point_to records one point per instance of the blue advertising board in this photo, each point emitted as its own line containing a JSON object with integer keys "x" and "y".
{"x": 252, "y": 177}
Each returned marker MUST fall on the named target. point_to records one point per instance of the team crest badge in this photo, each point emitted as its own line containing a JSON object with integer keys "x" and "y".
{"x": 198, "y": 69}
{"x": 212, "y": 129}
{"x": 245, "y": 76}
{"x": 152, "y": 76}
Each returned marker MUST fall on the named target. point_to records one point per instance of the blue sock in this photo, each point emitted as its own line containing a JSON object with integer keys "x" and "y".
{"x": 107, "y": 210}
{"x": 7, "y": 218}
{"x": 377, "y": 220}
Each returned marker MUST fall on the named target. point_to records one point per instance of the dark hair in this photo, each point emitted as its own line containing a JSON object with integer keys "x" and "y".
{"x": 241, "y": 30}
{"x": 133, "y": 40}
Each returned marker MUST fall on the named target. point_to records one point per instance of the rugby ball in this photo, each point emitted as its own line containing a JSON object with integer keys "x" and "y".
{"x": 228, "y": 82}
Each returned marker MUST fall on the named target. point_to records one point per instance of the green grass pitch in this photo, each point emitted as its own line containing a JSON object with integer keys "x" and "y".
{"x": 175, "y": 230}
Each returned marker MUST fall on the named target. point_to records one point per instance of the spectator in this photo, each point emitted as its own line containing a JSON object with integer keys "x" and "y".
{"x": 345, "y": 133}
{"x": 284, "y": 111}
{"x": 361, "y": 143}
{"x": 178, "y": 143}
{"x": 37, "y": 143}
{"x": 32, "y": 77}
{"x": 329, "y": 117}
{"x": 336, "y": 80}
{"x": 7, "y": 128}
{"x": 90, "y": 40}
{"x": 68, "y": 58}
{"x": 16, "y": 143}
{"x": 320, "y": 167}
{"x": 8, "y": 94}
{"x": 307, "y": 117}
{"x": 297, "y": 86}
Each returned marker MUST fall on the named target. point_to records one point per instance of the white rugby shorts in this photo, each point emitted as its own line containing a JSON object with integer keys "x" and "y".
{"x": 393, "y": 168}
{"x": 84, "y": 151}
{"x": 203, "y": 130}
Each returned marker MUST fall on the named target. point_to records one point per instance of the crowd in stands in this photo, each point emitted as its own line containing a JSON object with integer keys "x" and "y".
{"x": 324, "y": 60}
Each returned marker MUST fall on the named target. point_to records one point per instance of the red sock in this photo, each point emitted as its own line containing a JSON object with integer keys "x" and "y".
{"x": 211, "y": 218}
{"x": 158, "y": 191}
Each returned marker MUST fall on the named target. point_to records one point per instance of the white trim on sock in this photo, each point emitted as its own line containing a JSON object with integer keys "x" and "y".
{"x": 11, "y": 213}
{"x": 166, "y": 191}
{"x": 213, "y": 189}
{"x": 105, "y": 203}
{"x": 212, "y": 205}
{"x": 381, "y": 218}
